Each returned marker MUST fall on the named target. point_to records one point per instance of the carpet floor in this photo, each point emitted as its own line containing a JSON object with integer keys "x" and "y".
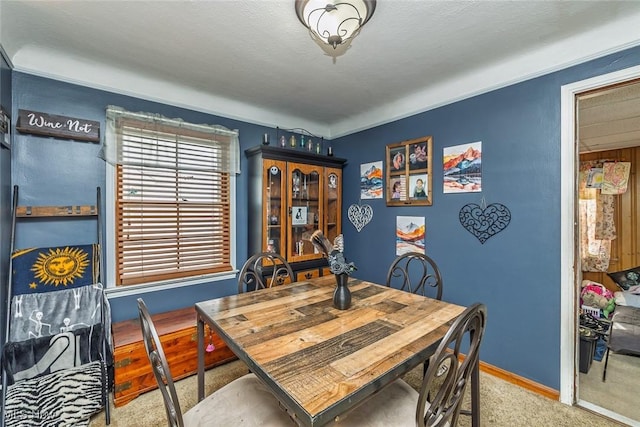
{"x": 502, "y": 404}
{"x": 620, "y": 389}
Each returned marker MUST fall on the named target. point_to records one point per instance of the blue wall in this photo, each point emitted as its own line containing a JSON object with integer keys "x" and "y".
{"x": 53, "y": 171}
{"x": 516, "y": 273}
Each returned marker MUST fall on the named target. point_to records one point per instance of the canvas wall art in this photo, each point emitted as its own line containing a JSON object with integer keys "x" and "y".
{"x": 371, "y": 180}
{"x": 410, "y": 234}
{"x": 462, "y": 168}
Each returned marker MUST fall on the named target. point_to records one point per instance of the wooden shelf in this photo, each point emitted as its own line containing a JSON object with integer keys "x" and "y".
{"x": 49, "y": 211}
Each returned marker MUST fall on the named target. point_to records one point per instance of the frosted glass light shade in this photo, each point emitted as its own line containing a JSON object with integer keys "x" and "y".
{"x": 334, "y": 22}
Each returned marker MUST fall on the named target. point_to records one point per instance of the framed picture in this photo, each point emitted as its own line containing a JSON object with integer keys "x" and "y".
{"x": 409, "y": 172}
{"x": 371, "y": 180}
{"x": 462, "y": 168}
{"x": 299, "y": 215}
{"x": 397, "y": 188}
{"x": 5, "y": 129}
{"x": 410, "y": 234}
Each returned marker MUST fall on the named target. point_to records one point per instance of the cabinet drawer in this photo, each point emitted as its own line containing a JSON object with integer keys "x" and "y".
{"x": 279, "y": 282}
{"x": 307, "y": 274}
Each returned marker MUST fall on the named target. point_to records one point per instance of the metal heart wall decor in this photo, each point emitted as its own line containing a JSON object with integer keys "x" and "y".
{"x": 484, "y": 222}
{"x": 360, "y": 215}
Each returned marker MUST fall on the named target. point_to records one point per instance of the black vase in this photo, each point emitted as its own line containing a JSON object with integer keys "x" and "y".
{"x": 342, "y": 294}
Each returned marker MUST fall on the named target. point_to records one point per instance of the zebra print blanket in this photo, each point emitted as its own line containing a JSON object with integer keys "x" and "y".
{"x": 63, "y": 399}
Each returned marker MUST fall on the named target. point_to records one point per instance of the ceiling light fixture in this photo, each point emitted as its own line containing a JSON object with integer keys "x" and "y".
{"x": 334, "y": 23}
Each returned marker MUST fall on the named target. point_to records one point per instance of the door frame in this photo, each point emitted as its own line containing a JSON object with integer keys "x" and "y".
{"x": 569, "y": 262}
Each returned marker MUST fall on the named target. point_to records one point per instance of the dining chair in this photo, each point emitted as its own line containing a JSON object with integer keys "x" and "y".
{"x": 264, "y": 270}
{"x": 438, "y": 403}
{"x": 244, "y": 401}
{"x": 419, "y": 274}
{"x": 416, "y": 273}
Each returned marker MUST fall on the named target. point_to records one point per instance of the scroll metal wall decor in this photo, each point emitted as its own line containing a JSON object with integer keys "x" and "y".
{"x": 360, "y": 215}
{"x": 484, "y": 221}
{"x": 33, "y": 122}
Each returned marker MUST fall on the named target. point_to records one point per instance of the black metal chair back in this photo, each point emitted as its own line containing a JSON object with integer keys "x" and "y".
{"x": 442, "y": 406}
{"x": 160, "y": 366}
{"x": 263, "y": 270}
{"x": 416, "y": 273}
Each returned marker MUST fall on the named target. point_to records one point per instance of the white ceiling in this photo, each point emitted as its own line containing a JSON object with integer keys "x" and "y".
{"x": 609, "y": 118}
{"x": 253, "y": 60}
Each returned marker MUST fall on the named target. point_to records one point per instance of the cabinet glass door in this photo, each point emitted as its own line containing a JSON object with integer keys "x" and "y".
{"x": 274, "y": 221}
{"x": 333, "y": 200}
{"x": 306, "y": 210}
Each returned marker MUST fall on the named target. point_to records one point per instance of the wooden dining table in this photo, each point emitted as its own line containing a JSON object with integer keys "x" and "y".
{"x": 319, "y": 361}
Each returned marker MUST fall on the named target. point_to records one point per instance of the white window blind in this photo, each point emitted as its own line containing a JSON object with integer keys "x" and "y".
{"x": 173, "y": 202}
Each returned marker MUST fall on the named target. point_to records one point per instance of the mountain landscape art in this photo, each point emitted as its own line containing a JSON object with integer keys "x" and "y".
{"x": 462, "y": 168}
{"x": 371, "y": 185}
{"x": 410, "y": 234}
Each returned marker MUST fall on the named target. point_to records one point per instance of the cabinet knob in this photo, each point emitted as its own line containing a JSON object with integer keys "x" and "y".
{"x": 308, "y": 275}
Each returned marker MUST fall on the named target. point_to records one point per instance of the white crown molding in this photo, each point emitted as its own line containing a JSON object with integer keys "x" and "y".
{"x": 57, "y": 66}
{"x": 572, "y": 51}
{"x": 600, "y": 41}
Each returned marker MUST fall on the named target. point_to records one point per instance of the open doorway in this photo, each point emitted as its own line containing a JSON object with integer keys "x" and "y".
{"x": 608, "y": 130}
{"x": 591, "y": 92}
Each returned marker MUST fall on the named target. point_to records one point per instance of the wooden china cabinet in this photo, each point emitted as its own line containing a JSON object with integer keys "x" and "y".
{"x": 292, "y": 193}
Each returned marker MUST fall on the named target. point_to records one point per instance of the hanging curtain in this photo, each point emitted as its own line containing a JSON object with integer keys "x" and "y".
{"x": 597, "y": 227}
{"x": 122, "y": 124}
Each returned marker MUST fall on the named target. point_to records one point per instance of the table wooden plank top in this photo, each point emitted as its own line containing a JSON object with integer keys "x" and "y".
{"x": 321, "y": 361}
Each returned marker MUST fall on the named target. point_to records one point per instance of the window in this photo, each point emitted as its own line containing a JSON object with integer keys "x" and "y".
{"x": 173, "y": 197}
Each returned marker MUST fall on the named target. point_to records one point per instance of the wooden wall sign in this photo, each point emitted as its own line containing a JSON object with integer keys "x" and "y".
{"x": 33, "y": 122}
